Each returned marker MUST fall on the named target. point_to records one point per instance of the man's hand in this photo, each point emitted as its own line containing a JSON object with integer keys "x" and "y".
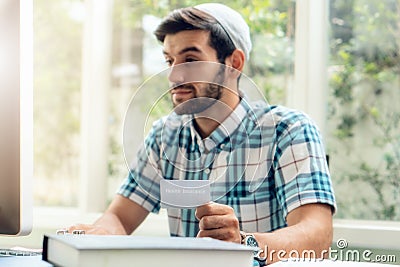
{"x": 91, "y": 229}
{"x": 122, "y": 217}
{"x": 218, "y": 221}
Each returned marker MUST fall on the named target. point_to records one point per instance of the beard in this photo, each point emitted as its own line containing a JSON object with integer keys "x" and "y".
{"x": 198, "y": 104}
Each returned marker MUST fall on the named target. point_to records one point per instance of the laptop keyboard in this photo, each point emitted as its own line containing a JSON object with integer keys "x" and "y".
{"x": 19, "y": 252}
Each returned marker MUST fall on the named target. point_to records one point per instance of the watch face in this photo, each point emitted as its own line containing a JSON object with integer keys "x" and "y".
{"x": 251, "y": 241}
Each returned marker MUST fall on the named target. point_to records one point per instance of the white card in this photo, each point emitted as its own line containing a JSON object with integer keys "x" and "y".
{"x": 184, "y": 194}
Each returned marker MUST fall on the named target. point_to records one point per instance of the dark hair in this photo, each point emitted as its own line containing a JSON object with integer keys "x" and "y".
{"x": 190, "y": 18}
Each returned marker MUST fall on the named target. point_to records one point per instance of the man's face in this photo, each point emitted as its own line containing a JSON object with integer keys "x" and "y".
{"x": 189, "y": 55}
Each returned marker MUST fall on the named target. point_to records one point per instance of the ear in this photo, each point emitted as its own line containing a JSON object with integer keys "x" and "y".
{"x": 236, "y": 60}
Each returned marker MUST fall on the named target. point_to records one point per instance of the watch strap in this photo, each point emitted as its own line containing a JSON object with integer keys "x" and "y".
{"x": 261, "y": 260}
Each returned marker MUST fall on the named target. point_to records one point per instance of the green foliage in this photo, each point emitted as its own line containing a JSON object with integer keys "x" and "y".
{"x": 365, "y": 83}
{"x": 57, "y": 76}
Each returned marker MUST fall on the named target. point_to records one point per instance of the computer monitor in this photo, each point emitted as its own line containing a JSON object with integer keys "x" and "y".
{"x": 16, "y": 117}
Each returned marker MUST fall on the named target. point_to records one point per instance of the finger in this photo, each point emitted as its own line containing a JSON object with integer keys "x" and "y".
{"x": 224, "y": 234}
{"x": 75, "y": 227}
{"x": 213, "y": 208}
{"x": 218, "y": 221}
{"x": 88, "y": 229}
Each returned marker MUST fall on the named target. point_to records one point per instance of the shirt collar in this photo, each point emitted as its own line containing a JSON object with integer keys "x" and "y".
{"x": 224, "y": 130}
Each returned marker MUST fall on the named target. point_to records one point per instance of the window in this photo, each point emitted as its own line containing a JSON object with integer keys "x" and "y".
{"x": 79, "y": 111}
{"x": 58, "y": 29}
{"x": 364, "y": 115}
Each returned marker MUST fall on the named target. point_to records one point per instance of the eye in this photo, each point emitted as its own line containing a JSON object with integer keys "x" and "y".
{"x": 190, "y": 59}
{"x": 168, "y": 61}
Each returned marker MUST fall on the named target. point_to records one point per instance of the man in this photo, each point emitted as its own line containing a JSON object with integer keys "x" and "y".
{"x": 290, "y": 207}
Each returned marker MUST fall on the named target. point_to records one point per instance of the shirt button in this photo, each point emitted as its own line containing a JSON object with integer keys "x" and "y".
{"x": 222, "y": 146}
{"x": 209, "y": 144}
{"x": 207, "y": 171}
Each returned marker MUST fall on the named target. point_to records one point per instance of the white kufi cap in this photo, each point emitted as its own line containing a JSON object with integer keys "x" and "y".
{"x": 233, "y": 24}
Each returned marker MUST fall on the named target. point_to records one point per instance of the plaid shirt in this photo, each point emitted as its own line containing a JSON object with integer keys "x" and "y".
{"x": 262, "y": 161}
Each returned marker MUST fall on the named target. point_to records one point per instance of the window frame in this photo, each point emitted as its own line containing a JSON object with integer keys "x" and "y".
{"x": 310, "y": 84}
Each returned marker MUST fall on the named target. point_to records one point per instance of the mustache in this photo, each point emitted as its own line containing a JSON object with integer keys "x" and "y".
{"x": 186, "y": 86}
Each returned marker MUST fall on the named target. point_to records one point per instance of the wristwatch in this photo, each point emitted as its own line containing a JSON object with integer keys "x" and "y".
{"x": 250, "y": 240}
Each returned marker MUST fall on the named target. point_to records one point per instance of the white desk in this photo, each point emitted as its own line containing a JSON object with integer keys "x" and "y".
{"x": 36, "y": 261}
{"x": 23, "y": 261}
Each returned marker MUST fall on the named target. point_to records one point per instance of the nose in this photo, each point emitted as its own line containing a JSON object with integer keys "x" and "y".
{"x": 176, "y": 74}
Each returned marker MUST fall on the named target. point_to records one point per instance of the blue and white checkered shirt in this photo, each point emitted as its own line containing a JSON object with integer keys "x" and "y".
{"x": 262, "y": 161}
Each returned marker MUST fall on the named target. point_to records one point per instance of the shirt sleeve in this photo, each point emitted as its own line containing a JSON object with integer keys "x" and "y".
{"x": 142, "y": 184}
{"x": 301, "y": 170}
